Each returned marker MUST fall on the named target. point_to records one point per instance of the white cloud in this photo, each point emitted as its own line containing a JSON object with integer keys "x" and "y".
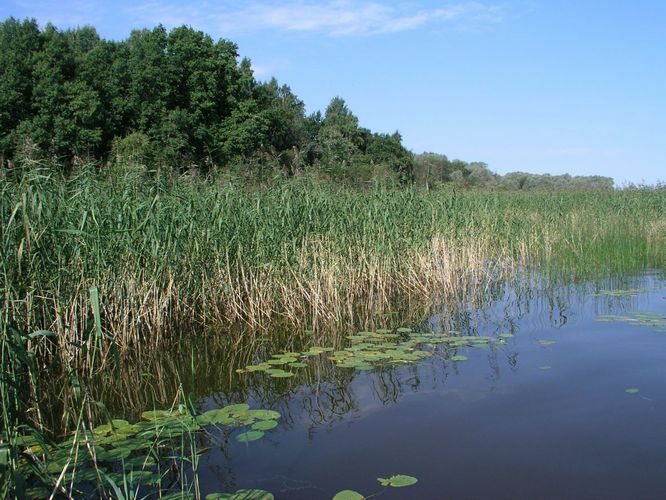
{"x": 332, "y": 17}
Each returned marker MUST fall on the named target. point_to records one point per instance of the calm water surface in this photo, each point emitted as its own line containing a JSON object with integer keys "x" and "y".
{"x": 520, "y": 420}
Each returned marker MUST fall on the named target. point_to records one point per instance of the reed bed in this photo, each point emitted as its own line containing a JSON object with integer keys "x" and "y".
{"x": 174, "y": 257}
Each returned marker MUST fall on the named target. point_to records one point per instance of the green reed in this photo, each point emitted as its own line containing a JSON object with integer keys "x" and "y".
{"x": 164, "y": 253}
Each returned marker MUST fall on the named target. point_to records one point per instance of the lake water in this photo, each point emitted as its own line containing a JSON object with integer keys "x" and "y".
{"x": 545, "y": 413}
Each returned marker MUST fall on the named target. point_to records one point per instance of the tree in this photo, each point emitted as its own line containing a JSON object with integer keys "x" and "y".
{"x": 339, "y": 136}
{"x": 19, "y": 43}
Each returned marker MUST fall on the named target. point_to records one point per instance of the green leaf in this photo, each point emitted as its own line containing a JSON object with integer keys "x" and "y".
{"x": 265, "y": 425}
{"x": 459, "y": 357}
{"x": 398, "y": 481}
{"x": 632, "y": 390}
{"x": 265, "y": 414}
{"x": 249, "y": 436}
{"x": 348, "y": 495}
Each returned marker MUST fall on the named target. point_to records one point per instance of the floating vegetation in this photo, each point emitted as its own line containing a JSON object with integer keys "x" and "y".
{"x": 545, "y": 367}
{"x": 649, "y": 319}
{"x": 249, "y": 436}
{"x": 120, "y": 452}
{"x": 632, "y": 390}
{"x": 348, "y": 495}
{"x": 398, "y": 481}
{"x": 368, "y": 350}
{"x": 546, "y": 342}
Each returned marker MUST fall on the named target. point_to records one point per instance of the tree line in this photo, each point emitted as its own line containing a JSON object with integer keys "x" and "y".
{"x": 432, "y": 170}
{"x": 180, "y": 101}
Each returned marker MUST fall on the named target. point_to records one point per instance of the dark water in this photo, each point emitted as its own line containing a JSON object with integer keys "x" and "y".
{"x": 520, "y": 420}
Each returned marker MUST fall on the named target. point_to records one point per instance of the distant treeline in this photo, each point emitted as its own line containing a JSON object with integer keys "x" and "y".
{"x": 432, "y": 169}
{"x": 180, "y": 101}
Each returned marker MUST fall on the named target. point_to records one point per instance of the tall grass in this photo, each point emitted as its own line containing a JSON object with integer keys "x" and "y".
{"x": 168, "y": 257}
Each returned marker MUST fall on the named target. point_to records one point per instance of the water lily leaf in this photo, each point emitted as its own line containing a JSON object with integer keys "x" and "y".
{"x": 545, "y": 367}
{"x": 506, "y": 335}
{"x": 157, "y": 415}
{"x": 257, "y": 368}
{"x": 298, "y": 364}
{"x": 546, "y": 343}
{"x": 459, "y": 357}
{"x": 398, "y": 481}
{"x": 240, "y": 407}
{"x": 281, "y": 361}
{"x": 219, "y": 416}
{"x": 249, "y": 436}
{"x": 348, "y": 495}
{"x": 264, "y": 425}
{"x": 632, "y": 390}
{"x": 265, "y": 414}
{"x": 281, "y": 374}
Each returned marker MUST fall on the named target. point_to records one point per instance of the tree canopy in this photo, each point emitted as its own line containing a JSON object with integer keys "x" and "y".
{"x": 169, "y": 98}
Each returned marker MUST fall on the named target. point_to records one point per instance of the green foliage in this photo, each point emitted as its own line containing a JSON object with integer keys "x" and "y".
{"x": 181, "y": 98}
{"x": 398, "y": 481}
{"x": 431, "y": 170}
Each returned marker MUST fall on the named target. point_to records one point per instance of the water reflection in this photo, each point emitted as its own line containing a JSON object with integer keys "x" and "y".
{"x": 367, "y": 424}
{"x": 205, "y": 367}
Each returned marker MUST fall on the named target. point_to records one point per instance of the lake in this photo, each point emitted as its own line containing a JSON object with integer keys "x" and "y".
{"x": 565, "y": 399}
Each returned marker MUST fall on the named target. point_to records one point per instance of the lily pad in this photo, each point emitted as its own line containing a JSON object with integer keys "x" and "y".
{"x": 398, "y": 481}
{"x": 264, "y": 425}
{"x": 240, "y": 407}
{"x": 249, "y": 436}
{"x": 632, "y": 390}
{"x": 459, "y": 357}
{"x": 265, "y": 414}
{"x": 546, "y": 343}
{"x": 348, "y": 495}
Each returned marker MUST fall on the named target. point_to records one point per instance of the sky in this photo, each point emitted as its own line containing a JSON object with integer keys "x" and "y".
{"x": 548, "y": 86}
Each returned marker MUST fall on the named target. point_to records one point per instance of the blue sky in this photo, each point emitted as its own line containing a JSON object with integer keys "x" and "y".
{"x": 541, "y": 86}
